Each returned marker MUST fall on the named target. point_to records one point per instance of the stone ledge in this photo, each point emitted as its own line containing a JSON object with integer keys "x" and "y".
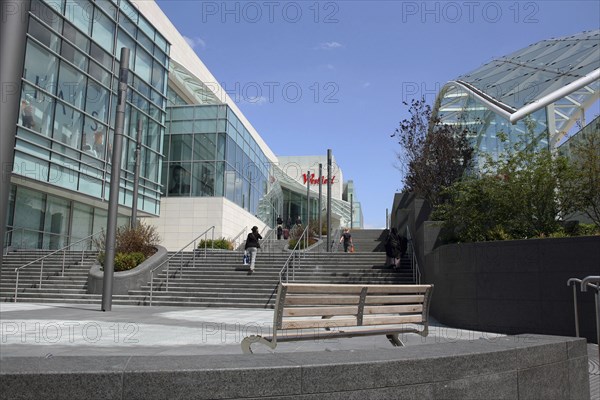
{"x": 499, "y": 368}
{"x": 124, "y": 281}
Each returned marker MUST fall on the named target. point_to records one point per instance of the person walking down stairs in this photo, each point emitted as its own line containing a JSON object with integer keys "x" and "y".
{"x": 392, "y": 249}
{"x": 252, "y": 246}
{"x": 347, "y": 239}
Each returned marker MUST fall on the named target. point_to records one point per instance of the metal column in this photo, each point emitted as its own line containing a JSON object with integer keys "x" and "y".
{"x": 115, "y": 177}
{"x": 13, "y": 30}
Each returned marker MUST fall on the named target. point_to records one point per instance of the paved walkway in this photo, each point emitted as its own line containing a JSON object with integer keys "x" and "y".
{"x": 45, "y": 330}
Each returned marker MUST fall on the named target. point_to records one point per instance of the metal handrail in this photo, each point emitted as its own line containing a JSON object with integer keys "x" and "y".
{"x": 23, "y": 229}
{"x": 336, "y": 241}
{"x": 64, "y": 251}
{"x": 236, "y": 237}
{"x": 414, "y": 263}
{"x": 585, "y": 283}
{"x": 180, "y": 252}
{"x": 268, "y": 240}
{"x": 292, "y": 258}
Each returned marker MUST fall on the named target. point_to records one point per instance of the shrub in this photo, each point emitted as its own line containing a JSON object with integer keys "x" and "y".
{"x": 220, "y": 243}
{"x": 140, "y": 239}
{"x": 292, "y": 243}
{"x": 127, "y": 261}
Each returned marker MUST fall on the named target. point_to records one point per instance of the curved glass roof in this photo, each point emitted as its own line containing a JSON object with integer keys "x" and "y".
{"x": 528, "y": 74}
{"x": 551, "y": 82}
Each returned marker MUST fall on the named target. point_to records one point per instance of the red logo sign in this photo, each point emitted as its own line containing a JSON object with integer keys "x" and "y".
{"x": 314, "y": 181}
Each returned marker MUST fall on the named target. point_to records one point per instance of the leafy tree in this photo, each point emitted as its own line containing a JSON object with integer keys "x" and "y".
{"x": 434, "y": 155}
{"x": 514, "y": 197}
{"x": 581, "y": 192}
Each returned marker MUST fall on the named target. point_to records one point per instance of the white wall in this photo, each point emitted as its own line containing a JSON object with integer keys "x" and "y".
{"x": 182, "y": 219}
{"x": 296, "y": 166}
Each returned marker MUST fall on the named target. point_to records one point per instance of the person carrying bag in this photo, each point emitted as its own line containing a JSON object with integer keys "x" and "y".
{"x": 252, "y": 246}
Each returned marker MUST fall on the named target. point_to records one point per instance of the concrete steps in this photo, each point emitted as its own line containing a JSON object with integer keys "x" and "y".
{"x": 216, "y": 280}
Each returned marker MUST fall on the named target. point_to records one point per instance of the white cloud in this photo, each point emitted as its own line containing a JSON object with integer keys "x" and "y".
{"x": 257, "y": 101}
{"x": 330, "y": 67}
{"x": 366, "y": 85}
{"x": 195, "y": 42}
{"x": 329, "y": 45}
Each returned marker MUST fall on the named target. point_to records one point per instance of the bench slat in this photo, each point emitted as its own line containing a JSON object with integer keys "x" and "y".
{"x": 349, "y": 310}
{"x": 320, "y": 300}
{"x": 319, "y": 311}
{"x": 345, "y": 322}
{"x": 300, "y": 288}
{"x": 395, "y": 299}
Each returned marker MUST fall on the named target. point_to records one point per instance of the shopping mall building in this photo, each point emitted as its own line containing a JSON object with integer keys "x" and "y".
{"x": 202, "y": 162}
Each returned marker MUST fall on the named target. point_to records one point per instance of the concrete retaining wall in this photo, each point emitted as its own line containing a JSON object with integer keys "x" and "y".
{"x": 523, "y": 367}
{"x": 127, "y": 280}
{"x": 514, "y": 286}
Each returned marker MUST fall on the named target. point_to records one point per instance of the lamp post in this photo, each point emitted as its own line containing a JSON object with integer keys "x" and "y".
{"x": 136, "y": 176}
{"x": 115, "y": 177}
{"x": 328, "y": 200}
{"x": 320, "y": 228}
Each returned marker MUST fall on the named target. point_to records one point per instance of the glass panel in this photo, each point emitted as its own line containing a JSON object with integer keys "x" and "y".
{"x": 76, "y": 37}
{"x": 71, "y": 85}
{"x": 181, "y": 148}
{"x": 40, "y": 10}
{"x": 143, "y": 65}
{"x": 124, "y": 40}
{"x": 108, "y": 7}
{"x": 74, "y": 56}
{"x": 29, "y": 214}
{"x": 101, "y": 56}
{"x": 179, "y": 182}
{"x": 41, "y": 67}
{"x": 206, "y": 112}
{"x": 68, "y": 125}
{"x": 205, "y": 126}
{"x": 153, "y": 135}
{"x": 80, "y": 13}
{"x": 56, "y": 223}
{"x": 151, "y": 171}
{"x": 81, "y": 225}
{"x": 36, "y": 111}
{"x": 204, "y": 147}
{"x": 182, "y": 113}
{"x": 103, "y": 31}
{"x": 100, "y": 220}
{"x": 44, "y": 35}
{"x": 203, "y": 183}
{"x": 220, "y": 179}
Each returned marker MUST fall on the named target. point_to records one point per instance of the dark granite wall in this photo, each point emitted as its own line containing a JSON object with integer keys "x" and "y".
{"x": 515, "y": 286}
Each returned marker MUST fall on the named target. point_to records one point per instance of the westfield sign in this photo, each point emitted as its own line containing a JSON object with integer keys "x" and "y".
{"x": 315, "y": 181}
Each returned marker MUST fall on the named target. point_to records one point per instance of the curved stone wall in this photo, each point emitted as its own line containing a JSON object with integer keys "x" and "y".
{"x": 539, "y": 367}
{"x": 127, "y": 280}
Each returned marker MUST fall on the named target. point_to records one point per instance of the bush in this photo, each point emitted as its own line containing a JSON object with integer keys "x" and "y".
{"x": 142, "y": 239}
{"x": 127, "y": 261}
{"x": 292, "y": 243}
{"x": 221, "y": 243}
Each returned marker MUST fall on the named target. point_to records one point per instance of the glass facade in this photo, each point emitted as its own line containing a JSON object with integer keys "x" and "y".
{"x": 67, "y": 115}
{"x": 490, "y": 133}
{"x": 209, "y": 152}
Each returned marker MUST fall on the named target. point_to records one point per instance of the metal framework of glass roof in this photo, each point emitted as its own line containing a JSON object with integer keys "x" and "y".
{"x": 561, "y": 75}
{"x": 191, "y": 85}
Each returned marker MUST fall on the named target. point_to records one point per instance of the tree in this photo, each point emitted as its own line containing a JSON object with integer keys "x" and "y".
{"x": 581, "y": 191}
{"x": 434, "y": 155}
{"x": 516, "y": 196}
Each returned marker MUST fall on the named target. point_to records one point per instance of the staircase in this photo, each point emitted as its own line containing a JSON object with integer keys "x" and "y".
{"x": 219, "y": 280}
{"x": 70, "y": 288}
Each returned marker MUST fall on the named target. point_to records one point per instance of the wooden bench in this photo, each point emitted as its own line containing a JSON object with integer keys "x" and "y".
{"x": 321, "y": 311}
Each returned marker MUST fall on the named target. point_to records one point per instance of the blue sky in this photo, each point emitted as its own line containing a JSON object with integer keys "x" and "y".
{"x": 333, "y": 74}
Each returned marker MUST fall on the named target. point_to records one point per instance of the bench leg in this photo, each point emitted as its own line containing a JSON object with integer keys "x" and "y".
{"x": 248, "y": 341}
{"x": 395, "y": 339}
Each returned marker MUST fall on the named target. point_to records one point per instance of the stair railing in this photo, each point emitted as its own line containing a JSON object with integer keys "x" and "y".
{"x": 236, "y": 245}
{"x": 294, "y": 258}
{"x": 22, "y": 229}
{"x": 41, "y": 261}
{"x": 414, "y": 262}
{"x": 180, "y": 254}
{"x": 336, "y": 240}
{"x": 267, "y": 241}
{"x": 592, "y": 282}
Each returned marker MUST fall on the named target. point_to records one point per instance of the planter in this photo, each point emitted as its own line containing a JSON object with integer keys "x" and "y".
{"x": 124, "y": 281}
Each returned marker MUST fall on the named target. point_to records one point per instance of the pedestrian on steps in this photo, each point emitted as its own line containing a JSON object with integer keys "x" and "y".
{"x": 392, "y": 249}
{"x": 252, "y": 246}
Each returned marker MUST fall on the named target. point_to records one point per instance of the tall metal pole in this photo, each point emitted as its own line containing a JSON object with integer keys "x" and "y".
{"x": 13, "y": 30}
{"x": 115, "y": 177}
{"x": 387, "y": 219}
{"x": 328, "y": 200}
{"x": 351, "y": 212}
{"x": 136, "y": 176}
{"x": 307, "y": 199}
{"x": 320, "y": 228}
